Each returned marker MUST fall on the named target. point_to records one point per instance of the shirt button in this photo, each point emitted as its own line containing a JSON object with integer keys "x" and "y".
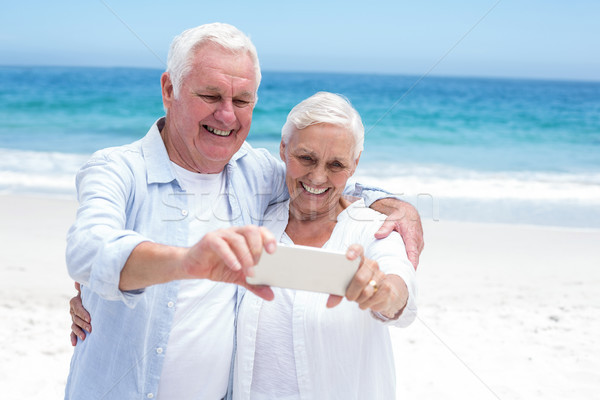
{"x": 150, "y": 395}
{"x": 170, "y": 304}
{"x": 184, "y": 212}
{"x": 159, "y": 351}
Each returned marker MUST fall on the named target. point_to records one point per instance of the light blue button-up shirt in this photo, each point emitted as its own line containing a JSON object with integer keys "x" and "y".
{"x": 128, "y": 195}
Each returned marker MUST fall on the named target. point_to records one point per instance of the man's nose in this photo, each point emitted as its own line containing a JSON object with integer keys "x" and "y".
{"x": 225, "y": 112}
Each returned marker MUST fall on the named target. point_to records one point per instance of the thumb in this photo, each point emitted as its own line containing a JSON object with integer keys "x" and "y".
{"x": 385, "y": 229}
{"x": 354, "y": 251}
{"x": 413, "y": 257}
{"x": 412, "y": 252}
{"x": 333, "y": 300}
{"x": 262, "y": 291}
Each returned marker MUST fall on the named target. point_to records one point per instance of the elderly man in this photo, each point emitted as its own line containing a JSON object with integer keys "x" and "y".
{"x": 164, "y": 223}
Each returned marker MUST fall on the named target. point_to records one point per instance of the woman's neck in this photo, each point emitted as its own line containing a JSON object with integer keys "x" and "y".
{"x": 313, "y": 229}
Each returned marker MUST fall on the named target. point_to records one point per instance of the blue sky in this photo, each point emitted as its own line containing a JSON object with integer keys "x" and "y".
{"x": 534, "y": 39}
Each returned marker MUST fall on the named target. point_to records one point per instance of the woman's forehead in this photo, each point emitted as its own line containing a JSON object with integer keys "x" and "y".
{"x": 322, "y": 146}
{"x": 323, "y": 134}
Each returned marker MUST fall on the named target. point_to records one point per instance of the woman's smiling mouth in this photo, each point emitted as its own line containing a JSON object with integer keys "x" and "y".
{"x": 313, "y": 190}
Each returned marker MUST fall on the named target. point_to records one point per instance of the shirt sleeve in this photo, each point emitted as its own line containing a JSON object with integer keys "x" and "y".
{"x": 369, "y": 194}
{"x": 98, "y": 244}
{"x": 279, "y": 192}
{"x": 390, "y": 254}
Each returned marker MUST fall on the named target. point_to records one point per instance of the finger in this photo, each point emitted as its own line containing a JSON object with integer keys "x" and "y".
{"x": 372, "y": 287}
{"x": 78, "y": 309}
{"x": 78, "y": 287}
{"x": 73, "y": 339}
{"x": 411, "y": 231}
{"x": 236, "y": 240}
{"x": 81, "y": 323}
{"x": 361, "y": 279}
{"x": 413, "y": 256}
{"x": 82, "y": 314}
{"x": 386, "y": 228}
{"x": 223, "y": 251}
{"x": 80, "y": 333}
{"x": 354, "y": 251}
{"x": 369, "y": 290}
{"x": 333, "y": 300}
{"x": 379, "y": 300}
{"x": 269, "y": 241}
{"x": 375, "y": 303}
{"x": 390, "y": 298}
{"x": 262, "y": 291}
{"x": 254, "y": 241}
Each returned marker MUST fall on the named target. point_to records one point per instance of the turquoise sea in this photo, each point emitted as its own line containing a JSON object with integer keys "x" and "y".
{"x": 471, "y": 149}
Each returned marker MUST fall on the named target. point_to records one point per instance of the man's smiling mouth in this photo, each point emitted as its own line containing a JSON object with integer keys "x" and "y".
{"x": 313, "y": 190}
{"x": 216, "y": 131}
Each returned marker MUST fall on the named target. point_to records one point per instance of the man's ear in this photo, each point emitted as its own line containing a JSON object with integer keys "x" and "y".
{"x": 167, "y": 90}
{"x": 282, "y": 151}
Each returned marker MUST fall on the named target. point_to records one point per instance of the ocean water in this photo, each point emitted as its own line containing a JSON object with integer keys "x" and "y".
{"x": 471, "y": 149}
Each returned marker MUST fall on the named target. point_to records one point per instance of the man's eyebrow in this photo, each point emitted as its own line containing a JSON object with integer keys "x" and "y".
{"x": 245, "y": 95}
{"x": 215, "y": 89}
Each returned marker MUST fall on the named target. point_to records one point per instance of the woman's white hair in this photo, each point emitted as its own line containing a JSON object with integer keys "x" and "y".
{"x": 325, "y": 108}
{"x": 183, "y": 47}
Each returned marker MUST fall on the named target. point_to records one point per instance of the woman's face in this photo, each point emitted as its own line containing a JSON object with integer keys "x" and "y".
{"x": 319, "y": 161}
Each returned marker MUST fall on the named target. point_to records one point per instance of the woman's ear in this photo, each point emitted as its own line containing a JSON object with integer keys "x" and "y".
{"x": 356, "y": 162}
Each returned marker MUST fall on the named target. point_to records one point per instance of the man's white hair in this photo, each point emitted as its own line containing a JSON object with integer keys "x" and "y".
{"x": 325, "y": 108}
{"x": 183, "y": 47}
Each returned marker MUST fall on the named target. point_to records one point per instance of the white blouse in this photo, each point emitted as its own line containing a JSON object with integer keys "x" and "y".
{"x": 296, "y": 348}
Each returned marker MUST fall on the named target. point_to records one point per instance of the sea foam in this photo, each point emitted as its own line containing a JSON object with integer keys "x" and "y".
{"x": 439, "y": 192}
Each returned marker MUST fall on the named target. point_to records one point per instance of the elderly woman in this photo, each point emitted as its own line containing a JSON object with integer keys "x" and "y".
{"x": 297, "y": 346}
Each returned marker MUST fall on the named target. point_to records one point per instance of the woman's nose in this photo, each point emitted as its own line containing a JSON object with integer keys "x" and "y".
{"x": 318, "y": 175}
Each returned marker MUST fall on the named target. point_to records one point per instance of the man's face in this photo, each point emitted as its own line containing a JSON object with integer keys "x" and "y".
{"x": 209, "y": 121}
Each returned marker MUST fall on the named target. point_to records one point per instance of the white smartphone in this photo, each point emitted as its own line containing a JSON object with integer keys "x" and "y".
{"x": 305, "y": 268}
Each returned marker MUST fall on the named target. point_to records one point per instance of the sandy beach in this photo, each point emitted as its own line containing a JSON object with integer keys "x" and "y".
{"x": 505, "y": 311}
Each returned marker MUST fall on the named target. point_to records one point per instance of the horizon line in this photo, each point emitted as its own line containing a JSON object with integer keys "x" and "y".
{"x": 310, "y": 71}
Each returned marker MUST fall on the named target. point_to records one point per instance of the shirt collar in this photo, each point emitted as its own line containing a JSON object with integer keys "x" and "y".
{"x": 157, "y": 159}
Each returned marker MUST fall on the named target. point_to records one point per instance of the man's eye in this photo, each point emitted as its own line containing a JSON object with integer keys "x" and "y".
{"x": 336, "y": 165}
{"x": 209, "y": 97}
{"x": 241, "y": 103}
{"x": 306, "y": 158}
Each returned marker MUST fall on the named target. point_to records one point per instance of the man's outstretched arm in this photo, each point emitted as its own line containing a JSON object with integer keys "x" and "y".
{"x": 226, "y": 255}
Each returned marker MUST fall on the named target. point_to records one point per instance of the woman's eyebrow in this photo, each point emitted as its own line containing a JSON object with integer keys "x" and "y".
{"x": 305, "y": 150}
